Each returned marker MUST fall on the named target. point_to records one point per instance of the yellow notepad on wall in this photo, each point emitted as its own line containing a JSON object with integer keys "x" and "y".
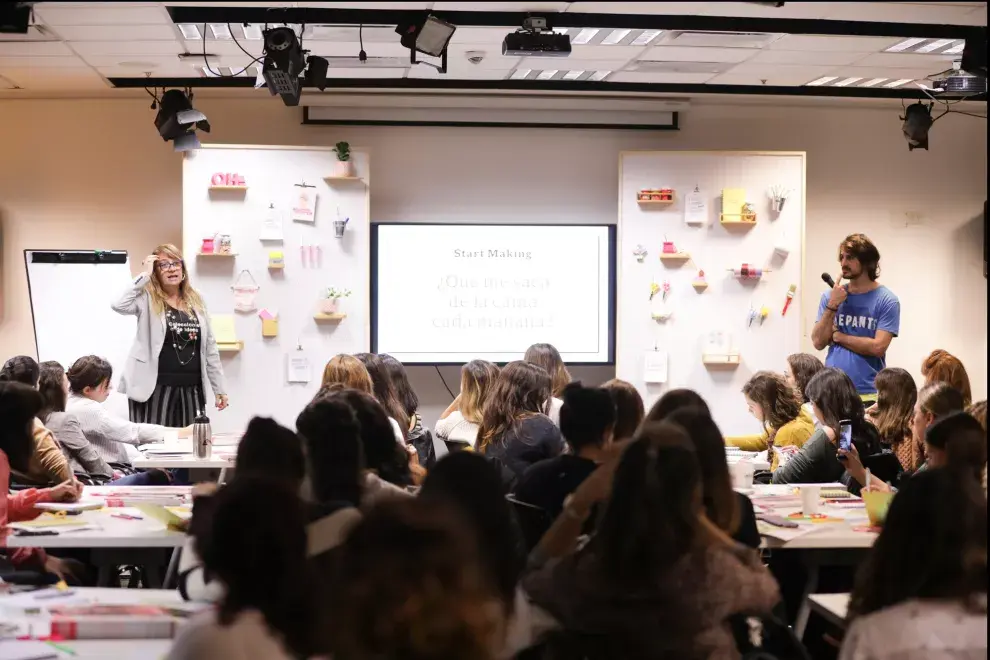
{"x": 224, "y": 329}
{"x": 733, "y": 200}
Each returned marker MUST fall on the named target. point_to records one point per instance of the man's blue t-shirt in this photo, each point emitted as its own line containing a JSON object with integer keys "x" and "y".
{"x": 861, "y": 315}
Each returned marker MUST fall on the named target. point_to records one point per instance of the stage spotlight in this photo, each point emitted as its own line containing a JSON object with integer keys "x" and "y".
{"x": 917, "y": 120}
{"x": 283, "y": 64}
{"x": 177, "y": 120}
{"x": 15, "y": 17}
{"x": 427, "y": 34}
{"x": 316, "y": 72}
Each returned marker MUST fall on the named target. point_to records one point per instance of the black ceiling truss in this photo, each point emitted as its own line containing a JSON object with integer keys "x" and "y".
{"x": 509, "y": 20}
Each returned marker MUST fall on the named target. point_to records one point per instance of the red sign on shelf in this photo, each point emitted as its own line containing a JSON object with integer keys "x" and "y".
{"x": 226, "y": 179}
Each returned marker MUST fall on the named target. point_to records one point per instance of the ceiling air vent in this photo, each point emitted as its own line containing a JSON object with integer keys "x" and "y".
{"x": 722, "y": 39}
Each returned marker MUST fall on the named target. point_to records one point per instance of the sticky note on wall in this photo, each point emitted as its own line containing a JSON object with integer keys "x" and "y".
{"x": 224, "y": 329}
{"x": 733, "y": 200}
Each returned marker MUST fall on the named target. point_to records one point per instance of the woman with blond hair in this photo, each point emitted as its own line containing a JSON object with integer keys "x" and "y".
{"x": 460, "y": 421}
{"x": 348, "y": 371}
{"x": 548, "y": 357}
{"x": 943, "y": 367}
{"x": 893, "y": 415}
{"x": 175, "y": 354}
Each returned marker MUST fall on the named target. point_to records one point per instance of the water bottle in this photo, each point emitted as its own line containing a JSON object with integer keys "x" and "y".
{"x": 202, "y": 436}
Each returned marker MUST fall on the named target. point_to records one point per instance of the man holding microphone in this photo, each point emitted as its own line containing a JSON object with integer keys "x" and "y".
{"x": 857, "y": 320}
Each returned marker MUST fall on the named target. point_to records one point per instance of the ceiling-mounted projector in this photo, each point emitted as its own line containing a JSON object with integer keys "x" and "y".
{"x": 535, "y": 39}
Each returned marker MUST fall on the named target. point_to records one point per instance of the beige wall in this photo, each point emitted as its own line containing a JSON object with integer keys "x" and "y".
{"x": 88, "y": 174}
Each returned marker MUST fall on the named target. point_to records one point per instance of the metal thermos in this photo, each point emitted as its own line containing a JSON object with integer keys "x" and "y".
{"x": 202, "y": 436}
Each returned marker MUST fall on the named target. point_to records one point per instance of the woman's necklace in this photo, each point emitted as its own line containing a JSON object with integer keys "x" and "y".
{"x": 185, "y": 330}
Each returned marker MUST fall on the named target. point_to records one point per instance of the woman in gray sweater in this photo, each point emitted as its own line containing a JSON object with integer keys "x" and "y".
{"x": 82, "y": 456}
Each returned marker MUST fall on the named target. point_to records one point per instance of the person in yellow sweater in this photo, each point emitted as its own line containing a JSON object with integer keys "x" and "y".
{"x": 777, "y": 405}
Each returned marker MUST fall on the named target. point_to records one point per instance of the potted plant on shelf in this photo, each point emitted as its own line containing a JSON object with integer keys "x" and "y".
{"x": 344, "y": 166}
{"x": 330, "y": 304}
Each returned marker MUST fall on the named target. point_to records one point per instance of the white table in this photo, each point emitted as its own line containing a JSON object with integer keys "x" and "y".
{"x": 833, "y": 607}
{"x": 758, "y": 459}
{"x": 37, "y": 623}
{"x": 176, "y": 453}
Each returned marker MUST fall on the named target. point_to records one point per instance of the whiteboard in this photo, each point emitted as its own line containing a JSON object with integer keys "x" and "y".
{"x": 257, "y": 376}
{"x": 724, "y": 306}
{"x": 70, "y": 305}
{"x": 491, "y": 291}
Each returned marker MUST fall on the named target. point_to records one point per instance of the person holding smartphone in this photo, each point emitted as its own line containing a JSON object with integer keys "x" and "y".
{"x": 844, "y": 426}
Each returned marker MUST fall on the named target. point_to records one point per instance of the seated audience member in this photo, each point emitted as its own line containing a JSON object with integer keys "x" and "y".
{"x": 383, "y": 389}
{"x": 348, "y": 371}
{"x": 410, "y": 585}
{"x": 19, "y": 406}
{"x": 675, "y": 400}
{"x": 47, "y": 464}
{"x": 658, "y": 579}
{"x": 267, "y": 451}
{"x": 82, "y": 457}
{"x": 893, "y": 415}
{"x": 799, "y": 370}
{"x": 548, "y": 357}
{"x": 385, "y": 471}
{"x": 629, "y": 410}
{"x": 514, "y": 431}
{"x": 922, "y": 592}
{"x": 730, "y": 511}
{"x": 268, "y": 610}
{"x": 460, "y": 421}
{"x": 89, "y": 385}
{"x": 587, "y": 422}
{"x": 979, "y": 412}
{"x": 417, "y": 436}
{"x": 943, "y": 367}
{"x": 472, "y": 486}
{"x": 958, "y": 442}
{"x": 835, "y": 399}
{"x": 777, "y": 406}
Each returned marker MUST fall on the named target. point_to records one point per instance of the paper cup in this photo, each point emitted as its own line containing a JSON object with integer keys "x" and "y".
{"x": 810, "y": 499}
{"x": 742, "y": 474}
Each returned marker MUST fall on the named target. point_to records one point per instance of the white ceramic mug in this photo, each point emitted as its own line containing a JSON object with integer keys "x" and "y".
{"x": 742, "y": 474}
{"x": 810, "y": 499}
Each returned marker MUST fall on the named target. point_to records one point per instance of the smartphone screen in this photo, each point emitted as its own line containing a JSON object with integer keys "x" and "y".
{"x": 845, "y": 435}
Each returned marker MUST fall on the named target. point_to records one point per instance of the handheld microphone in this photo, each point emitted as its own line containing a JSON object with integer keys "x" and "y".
{"x": 827, "y": 279}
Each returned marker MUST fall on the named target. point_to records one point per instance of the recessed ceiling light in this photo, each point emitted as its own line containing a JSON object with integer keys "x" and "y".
{"x": 220, "y": 30}
{"x": 847, "y": 81}
{"x": 955, "y": 50}
{"x": 584, "y": 36}
{"x": 546, "y": 75}
{"x": 646, "y": 37}
{"x": 599, "y": 75}
{"x": 898, "y": 83}
{"x": 904, "y": 45}
{"x": 214, "y": 73}
{"x": 615, "y": 37}
{"x": 519, "y": 74}
{"x": 573, "y": 75}
{"x": 252, "y": 31}
{"x": 874, "y": 81}
{"x": 190, "y": 31}
{"x": 821, "y": 81}
{"x": 935, "y": 45}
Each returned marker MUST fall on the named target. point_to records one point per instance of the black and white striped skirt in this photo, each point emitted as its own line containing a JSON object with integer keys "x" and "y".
{"x": 169, "y": 405}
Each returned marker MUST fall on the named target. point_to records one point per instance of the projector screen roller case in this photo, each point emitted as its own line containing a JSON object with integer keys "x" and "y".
{"x": 448, "y": 294}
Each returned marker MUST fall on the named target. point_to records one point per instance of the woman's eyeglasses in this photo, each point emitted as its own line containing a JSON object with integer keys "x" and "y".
{"x": 168, "y": 265}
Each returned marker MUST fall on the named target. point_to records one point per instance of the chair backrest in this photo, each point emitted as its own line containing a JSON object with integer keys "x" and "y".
{"x": 533, "y": 521}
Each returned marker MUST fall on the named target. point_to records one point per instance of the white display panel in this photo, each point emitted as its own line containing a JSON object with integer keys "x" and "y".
{"x": 448, "y": 294}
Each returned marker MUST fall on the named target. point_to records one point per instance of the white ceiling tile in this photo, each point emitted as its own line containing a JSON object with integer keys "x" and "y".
{"x": 346, "y": 49}
{"x": 669, "y": 78}
{"x": 478, "y": 35}
{"x": 366, "y": 73}
{"x": 143, "y": 48}
{"x": 978, "y": 16}
{"x": 607, "y": 52}
{"x": 34, "y": 49}
{"x": 152, "y": 61}
{"x": 878, "y": 72}
{"x": 815, "y": 43}
{"x": 805, "y": 57}
{"x": 116, "y": 32}
{"x": 903, "y": 12}
{"x": 638, "y": 7}
{"x": 759, "y": 10}
{"x": 54, "y": 79}
{"x": 223, "y": 47}
{"x": 342, "y": 5}
{"x": 493, "y": 57}
{"x": 337, "y": 33}
{"x": 906, "y": 61}
{"x": 40, "y": 62}
{"x": 170, "y": 70}
{"x": 501, "y": 6}
{"x": 775, "y": 74}
{"x": 102, "y": 13}
{"x": 690, "y": 54}
{"x": 570, "y": 64}
{"x": 464, "y": 74}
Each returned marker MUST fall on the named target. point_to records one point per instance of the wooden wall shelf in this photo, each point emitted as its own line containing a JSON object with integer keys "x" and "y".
{"x": 236, "y": 347}
{"x": 329, "y": 318}
{"x": 726, "y": 361}
{"x": 737, "y": 219}
{"x": 654, "y": 202}
{"x": 675, "y": 257}
{"x": 229, "y": 188}
{"x": 334, "y": 179}
{"x": 699, "y": 286}
{"x": 276, "y": 266}
{"x": 216, "y": 254}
